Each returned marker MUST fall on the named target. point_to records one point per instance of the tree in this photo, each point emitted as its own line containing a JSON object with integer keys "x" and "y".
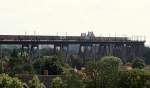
{"x": 14, "y": 53}
{"x": 3, "y": 62}
{"x": 57, "y": 82}
{"x": 9, "y": 82}
{"x": 35, "y": 83}
{"x": 138, "y": 63}
{"x": 93, "y": 74}
{"x": 134, "y": 79}
{"x": 52, "y": 64}
{"x": 103, "y": 73}
{"x": 109, "y": 71}
{"x": 18, "y": 63}
{"x": 73, "y": 80}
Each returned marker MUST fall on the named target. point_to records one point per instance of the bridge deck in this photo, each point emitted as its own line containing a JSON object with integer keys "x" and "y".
{"x": 20, "y": 39}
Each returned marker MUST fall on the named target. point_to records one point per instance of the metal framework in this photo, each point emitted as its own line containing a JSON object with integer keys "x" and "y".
{"x": 89, "y": 46}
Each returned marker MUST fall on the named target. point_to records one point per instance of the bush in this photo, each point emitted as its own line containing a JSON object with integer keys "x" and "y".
{"x": 52, "y": 64}
{"x": 17, "y": 62}
{"x": 134, "y": 79}
{"x": 103, "y": 73}
{"x": 57, "y": 83}
{"x": 138, "y": 63}
{"x": 35, "y": 83}
{"x": 73, "y": 81}
{"x": 109, "y": 67}
{"x": 9, "y": 82}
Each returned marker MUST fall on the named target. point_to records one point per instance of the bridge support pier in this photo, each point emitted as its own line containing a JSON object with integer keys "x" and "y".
{"x": 30, "y": 49}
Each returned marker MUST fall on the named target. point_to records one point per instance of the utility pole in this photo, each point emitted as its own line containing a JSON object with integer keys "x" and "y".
{"x": 57, "y": 34}
{"x": 34, "y": 32}
{"x": 25, "y": 33}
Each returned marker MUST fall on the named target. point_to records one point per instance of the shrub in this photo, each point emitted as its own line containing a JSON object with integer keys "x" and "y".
{"x": 52, "y": 64}
{"x": 103, "y": 73}
{"x": 134, "y": 79}
{"x": 138, "y": 63}
{"x": 35, "y": 83}
{"x": 9, "y": 82}
{"x": 57, "y": 83}
{"x": 73, "y": 81}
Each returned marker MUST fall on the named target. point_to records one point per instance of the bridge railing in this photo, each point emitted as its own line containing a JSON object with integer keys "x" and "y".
{"x": 63, "y": 38}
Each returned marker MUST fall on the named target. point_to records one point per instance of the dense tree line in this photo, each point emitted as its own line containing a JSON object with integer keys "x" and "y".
{"x": 13, "y": 82}
{"x": 104, "y": 72}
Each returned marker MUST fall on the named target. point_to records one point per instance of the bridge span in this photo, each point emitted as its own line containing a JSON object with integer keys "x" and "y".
{"x": 118, "y": 46}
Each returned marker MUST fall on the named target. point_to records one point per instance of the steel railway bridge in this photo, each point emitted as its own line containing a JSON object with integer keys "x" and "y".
{"x": 88, "y": 46}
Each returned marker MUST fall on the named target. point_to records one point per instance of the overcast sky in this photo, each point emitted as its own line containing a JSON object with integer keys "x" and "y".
{"x": 103, "y": 17}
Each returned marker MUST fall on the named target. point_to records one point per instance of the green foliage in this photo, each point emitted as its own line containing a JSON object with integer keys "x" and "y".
{"x": 103, "y": 73}
{"x": 35, "y": 83}
{"x": 134, "y": 79}
{"x": 52, "y": 64}
{"x": 66, "y": 69}
{"x": 9, "y": 82}
{"x": 109, "y": 71}
{"x": 73, "y": 81}
{"x": 57, "y": 82}
{"x": 93, "y": 74}
{"x": 19, "y": 63}
{"x": 112, "y": 60}
{"x": 110, "y": 64}
{"x": 3, "y": 62}
{"x": 28, "y": 68}
{"x": 138, "y": 63}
